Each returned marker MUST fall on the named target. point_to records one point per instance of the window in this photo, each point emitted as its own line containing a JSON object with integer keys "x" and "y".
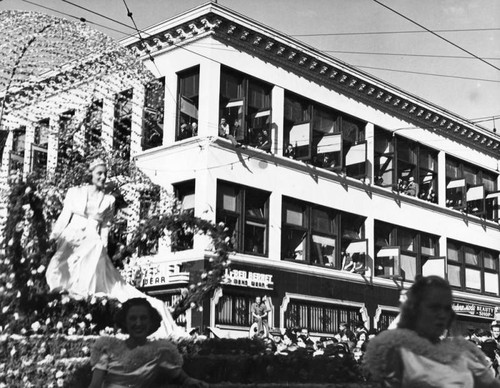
{"x": 320, "y": 317}
{"x": 386, "y": 318}
{"x": 67, "y": 130}
{"x": 406, "y": 166}
{"x": 245, "y": 211}
{"x": 39, "y": 147}
{"x": 324, "y": 137}
{"x": 309, "y": 233}
{"x": 353, "y": 243}
{"x": 93, "y": 124}
{"x": 18, "y": 149}
{"x": 148, "y": 207}
{"x": 184, "y": 192}
{"x": 122, "y": 129}
{"x": 245, "y": 103}
{"x": 233, "y": 309}
{"x": 472, "y": 268}
{"x": 188, "y": 100}
{"x": 3, "y": 139}
{"x": 153, "y": 114}
{"x": 471, "y": 189}
{"x": 404, "y": 253}
{"x": 384, "y": 158}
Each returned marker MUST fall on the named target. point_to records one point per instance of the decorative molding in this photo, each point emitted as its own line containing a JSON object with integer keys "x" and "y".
{"x": 378, "y": 312}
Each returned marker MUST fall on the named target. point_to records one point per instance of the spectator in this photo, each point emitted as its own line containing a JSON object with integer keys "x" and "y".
{"x": 412, "y": 187}
{"x": 224, "y": 131}
{"x": 259, "y": 312}
{"x": 495, "y": 332}
{"x": 185, "y": 131}
{"x": 289, "y": 151}
{"x": 194, "y": 128}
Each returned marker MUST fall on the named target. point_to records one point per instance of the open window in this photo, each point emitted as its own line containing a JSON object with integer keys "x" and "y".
{"x": 434, "y": 265}
{"x": 384, "y": 158}
{"x": 16, "y": 162}
{"x": 245, "y": 104}
{"x": 354, "y": 257}
{"x": 153, "y": 114}
{"x": 455, "y": 194}
{"x": 387, "y": 262}
{"x": 475, "y": 199}
{"x": 39, "y": 148}
{"x": 356, "y": 160}
{"x": 328, "y": 151}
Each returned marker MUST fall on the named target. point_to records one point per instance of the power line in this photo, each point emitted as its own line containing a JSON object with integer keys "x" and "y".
{"x": 130, "y": 15}
{"x": 406, "y": 55}
{"x": 437, "y": 35}
{"x": 82, "y": 19}
{"x": 211, "y": 59}
{"x": 431, "y": 74}
{"x": 99, "y": 14}
{"x": 360, "y": 66}
{"x": 396, "y": 32}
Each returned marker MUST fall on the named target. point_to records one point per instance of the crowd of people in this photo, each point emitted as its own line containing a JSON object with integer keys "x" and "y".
{"x": 344, "y": 343}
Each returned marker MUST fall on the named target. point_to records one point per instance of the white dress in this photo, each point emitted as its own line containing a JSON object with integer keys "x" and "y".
{"x": 81, "y": 264}
{"x": 401, "y": 358}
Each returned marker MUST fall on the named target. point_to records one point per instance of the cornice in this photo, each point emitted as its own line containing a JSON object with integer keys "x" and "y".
{"x": 247, "y": 35}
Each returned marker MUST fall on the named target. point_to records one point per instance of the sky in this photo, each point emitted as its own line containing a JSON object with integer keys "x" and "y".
{"x": 455, "y": 66}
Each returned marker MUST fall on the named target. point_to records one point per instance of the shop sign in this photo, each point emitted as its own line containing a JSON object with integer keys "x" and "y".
{"x": 474, "y": 309}
{"x": 161, "y": 274}
{"x": 249, "y": 279}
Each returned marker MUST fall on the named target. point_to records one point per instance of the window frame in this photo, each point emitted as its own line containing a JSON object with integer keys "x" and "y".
{"x": 244, "y": 222}
{"x": 243, "y": 124}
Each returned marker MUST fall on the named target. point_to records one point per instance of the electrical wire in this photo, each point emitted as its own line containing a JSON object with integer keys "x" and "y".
{"x": 394, "y": 32}
{"x": 423, "y": 73}
{"x": 99, "y": 14}
{"x": 437, "y": 35}
{"x": 82, "y": 19}
{"x": 211, "y": 59}
{"x": 406, "y": 55}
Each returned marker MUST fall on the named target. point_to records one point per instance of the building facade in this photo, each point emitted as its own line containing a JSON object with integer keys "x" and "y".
{"x": 339, "y": 188}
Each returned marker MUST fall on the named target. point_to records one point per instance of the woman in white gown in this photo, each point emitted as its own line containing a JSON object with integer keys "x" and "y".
{"x": 415, "y": 354}
{"x": 81, "y": 265}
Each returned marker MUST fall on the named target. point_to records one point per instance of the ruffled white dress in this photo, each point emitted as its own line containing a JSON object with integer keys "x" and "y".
{"x": 401, "y": 358}
{"x": 81, "y": 264}
{"x": 139, "y": 367}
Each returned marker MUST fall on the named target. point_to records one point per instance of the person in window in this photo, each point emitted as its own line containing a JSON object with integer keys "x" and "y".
{"x": 194, "y": 128}
{"x": 289, "y": 151}
{"x": 347, "y": 263}
{"x": 263, "y": 141}
{"x": 411, "y": 188}
{"x": 419, "y": 352}
{"x": 225, "y": 132}
{"x": 185, "y": 131}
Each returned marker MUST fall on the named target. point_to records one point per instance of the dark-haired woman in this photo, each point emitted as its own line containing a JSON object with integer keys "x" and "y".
{"x": 418, "y": 353}
{"x": 138, "y": 362}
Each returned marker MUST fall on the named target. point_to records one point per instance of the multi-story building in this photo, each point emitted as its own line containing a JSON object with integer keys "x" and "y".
{"x": 339, "y": 188}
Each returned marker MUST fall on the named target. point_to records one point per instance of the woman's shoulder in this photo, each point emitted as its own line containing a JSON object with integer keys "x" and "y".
{"x": 106, "y": 345}
{"x": 168, "y": 351}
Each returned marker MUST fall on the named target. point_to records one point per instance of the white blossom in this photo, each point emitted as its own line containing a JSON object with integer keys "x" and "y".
{"x": 35, "y": 326}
